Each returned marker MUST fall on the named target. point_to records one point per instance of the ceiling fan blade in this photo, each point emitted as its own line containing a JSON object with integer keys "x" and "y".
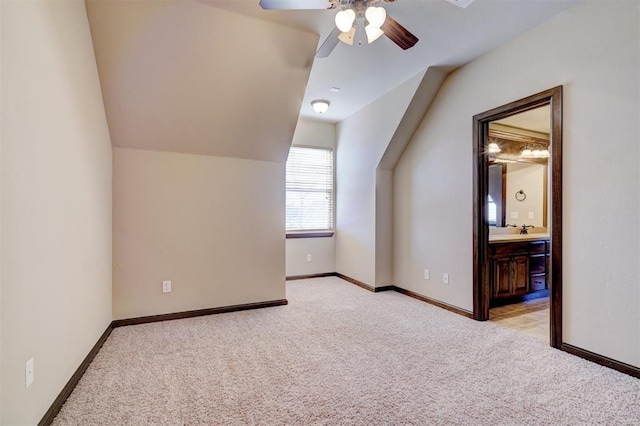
{"x": 297, "y": 4}
{"x": 329, "y": 44}
{"x": 398, "y": 34}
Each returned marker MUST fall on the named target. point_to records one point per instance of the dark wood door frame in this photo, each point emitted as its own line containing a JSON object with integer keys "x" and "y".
{"x": 481, "y": 291}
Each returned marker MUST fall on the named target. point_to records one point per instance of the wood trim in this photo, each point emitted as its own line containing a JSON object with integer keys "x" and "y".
{"x": 197, "y": 313}
{"x": 323, "y": 234}
{"x": 356, "y": 282}
{"x": 434, "y": 302}
{"x": 57, "y": 404}
{"x": 363, "y": 285}
{"x": 305, "y": 277}
{"x": 481, "y": 122}
{"x": 504, "y": 195}
{"x": 602, "y": 360}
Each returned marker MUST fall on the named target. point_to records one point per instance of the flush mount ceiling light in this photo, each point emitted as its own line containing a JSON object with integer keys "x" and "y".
{"x": 320, "y": 105}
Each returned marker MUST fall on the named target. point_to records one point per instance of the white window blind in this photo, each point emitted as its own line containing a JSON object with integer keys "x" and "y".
{"x": 309, "y": 196}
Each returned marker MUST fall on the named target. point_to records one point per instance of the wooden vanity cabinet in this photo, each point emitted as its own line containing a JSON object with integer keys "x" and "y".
{"x": 518, "y": 268}
{"x": 510, "y": 267}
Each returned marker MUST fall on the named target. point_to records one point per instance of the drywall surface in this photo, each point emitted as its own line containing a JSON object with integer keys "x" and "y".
{"x": 433, "y": 180}
{"x": 529, "y": 178}
{"x": 56, "y": 203}
{"x": 214, "y": 226}
{"x": 361, "y": 142}
{"x": 322, "y": 250}
{"x": 187, "y": 76}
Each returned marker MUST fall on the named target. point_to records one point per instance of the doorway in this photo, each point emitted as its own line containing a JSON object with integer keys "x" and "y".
{"x": 517, "y": 269}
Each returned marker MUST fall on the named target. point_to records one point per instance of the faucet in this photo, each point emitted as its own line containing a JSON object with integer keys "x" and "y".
{"x": 523, "y": 229}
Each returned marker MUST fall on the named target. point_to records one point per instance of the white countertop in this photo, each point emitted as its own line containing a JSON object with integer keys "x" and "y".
{"x": 504, "y": 238}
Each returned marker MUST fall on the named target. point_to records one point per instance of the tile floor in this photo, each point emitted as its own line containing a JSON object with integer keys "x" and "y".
{"x": 531, "y": 317}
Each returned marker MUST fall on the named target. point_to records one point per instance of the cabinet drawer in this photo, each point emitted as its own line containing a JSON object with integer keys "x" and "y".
{"x": 537, "y": 282}
{"x": 537, "y": 264}
{"x": 509, "y": 248}
{"x": 538, "y": 247}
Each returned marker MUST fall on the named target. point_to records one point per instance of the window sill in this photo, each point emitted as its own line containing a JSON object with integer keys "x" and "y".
{"x": 310, "y": 234}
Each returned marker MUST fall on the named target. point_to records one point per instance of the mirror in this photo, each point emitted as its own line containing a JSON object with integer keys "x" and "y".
{"x": 518, "y": 171}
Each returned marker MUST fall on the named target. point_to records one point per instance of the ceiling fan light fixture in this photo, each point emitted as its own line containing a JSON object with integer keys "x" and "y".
{"x": 320, "y": 105}
{"x": 348, "y": 37}
{"x": 376, "y": 16}
{"x": 373, "y": 33}
{"x": 344, "y": 20}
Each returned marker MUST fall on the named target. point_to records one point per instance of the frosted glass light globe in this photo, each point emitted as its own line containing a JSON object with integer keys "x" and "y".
{"x": 376, "y": 16}
{"x": 344, "y": 19}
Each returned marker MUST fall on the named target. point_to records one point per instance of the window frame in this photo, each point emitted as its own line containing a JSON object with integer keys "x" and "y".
{"x": 315, "y": 233}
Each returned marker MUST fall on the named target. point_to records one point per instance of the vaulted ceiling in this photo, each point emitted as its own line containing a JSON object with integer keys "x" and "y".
{"x": 226, "y": 78}
{"x": 183, "y": 76}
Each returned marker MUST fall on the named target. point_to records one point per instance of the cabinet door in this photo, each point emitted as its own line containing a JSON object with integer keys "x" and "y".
{"x": 502, "y": 277}
{"x": 520, "y": 275}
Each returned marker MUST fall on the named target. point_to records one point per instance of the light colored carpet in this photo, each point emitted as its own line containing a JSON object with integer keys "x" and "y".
{"x": 338, "y": 354}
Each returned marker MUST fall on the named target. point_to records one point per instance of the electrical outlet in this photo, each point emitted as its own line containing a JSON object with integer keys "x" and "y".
{"x": 514, "y": 215}
{"x": 309, "y": 258}
{"x": 445, "y": 278}
{"x": 530, "y": 215}
{"x": 166, "y": 286}
{"x": 28, "y": 371}
{"x": 426, "y": 274}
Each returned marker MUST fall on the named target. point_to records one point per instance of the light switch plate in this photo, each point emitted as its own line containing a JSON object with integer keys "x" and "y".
{"x": 28, "y": 371}
{"x": 530, "y": 215}
{"x": 514, "y": 215}
{"x": 166, "y": 286}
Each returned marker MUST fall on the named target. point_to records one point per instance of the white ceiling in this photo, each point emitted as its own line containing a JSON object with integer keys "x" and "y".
{"x": 448, "y": 37}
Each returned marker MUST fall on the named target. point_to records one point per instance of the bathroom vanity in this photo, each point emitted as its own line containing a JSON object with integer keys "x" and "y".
{"x": 519, "y": 267}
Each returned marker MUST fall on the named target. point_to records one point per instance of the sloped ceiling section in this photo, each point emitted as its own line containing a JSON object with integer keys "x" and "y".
{"x": 184, "y": 76}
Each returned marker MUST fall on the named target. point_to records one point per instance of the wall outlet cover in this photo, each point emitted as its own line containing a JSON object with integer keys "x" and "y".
{"x": 514, "y": 215}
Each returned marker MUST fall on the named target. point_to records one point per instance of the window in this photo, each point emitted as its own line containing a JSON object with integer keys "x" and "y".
{"x": 309, "y": 190}
{"x": 492, "y": 212}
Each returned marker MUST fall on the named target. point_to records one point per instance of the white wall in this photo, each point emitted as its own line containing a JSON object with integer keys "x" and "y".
{"x": 214, "y": 226}
{"x": 529, "y": 178}
{"x": 1, "y": 138}
{"x": 433, "y": 180}
{"x": 56, "y": 203}
{"x": 322, "y": 250}
{"x": 362, "y": 140}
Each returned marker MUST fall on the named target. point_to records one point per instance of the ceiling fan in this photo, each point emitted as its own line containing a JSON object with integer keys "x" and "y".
{"x": 357, "y": 20}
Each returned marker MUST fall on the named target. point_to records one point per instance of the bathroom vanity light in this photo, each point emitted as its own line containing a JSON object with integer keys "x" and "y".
{"x": 536, "y": 152}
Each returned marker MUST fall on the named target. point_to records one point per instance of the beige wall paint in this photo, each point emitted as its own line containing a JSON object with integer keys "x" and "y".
{"x": 214, "y": 226}
{"x": 529, "y": 178}
{"x": 1, "y": 138}
{"x": 56, "y": 203}
{"x": 186, "y": 76}
{"x": 362, "y": 140}
{"x": 433, "y": 180}
{"x": 322, "y": 250}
